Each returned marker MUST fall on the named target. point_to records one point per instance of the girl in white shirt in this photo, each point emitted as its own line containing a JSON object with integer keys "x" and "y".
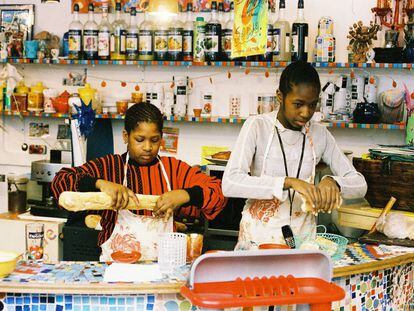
{"x": 273, "y": 164}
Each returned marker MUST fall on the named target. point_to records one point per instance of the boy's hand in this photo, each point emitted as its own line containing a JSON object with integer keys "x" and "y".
{"x": 120, "y": 195}
{"x": 169, "y": 202}
{"x": 330, "y": 195}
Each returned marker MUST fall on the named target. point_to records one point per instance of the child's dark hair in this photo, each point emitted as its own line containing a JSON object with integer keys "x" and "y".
{"x": 143, "y": 112}
{"x": 298, "y": 73}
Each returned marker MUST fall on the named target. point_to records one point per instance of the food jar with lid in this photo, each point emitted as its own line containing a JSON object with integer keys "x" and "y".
{"x": 17, "y": 193}
{"x": 35, "y": 99}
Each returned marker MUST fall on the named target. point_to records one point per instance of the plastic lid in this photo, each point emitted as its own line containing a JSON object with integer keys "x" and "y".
{"x": 38, "y": 88}
{"x": 200, "y": 19}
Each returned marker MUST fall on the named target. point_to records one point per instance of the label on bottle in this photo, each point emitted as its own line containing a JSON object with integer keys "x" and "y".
{"x": 277, "y": 42}
{"x": 306, "y": 44}
{"x": 187, "y": 43}
{"x": 212, "y": 41}
{"x": 175, "y": 41}
{"x": 288, "y": 43}
{"x": 199, "y": 40}
{"x": 132, "y": 44}
{"x": 269, "y": 46}
{"x": 145, "y": 42}
{"x": 181, "y": 90}
{"x": 160, "y": 42}
{"x": 112, "y": 45}
{"x": 75, "y": 37}
{"x": 120, "y": 41}
{"x": 122, "y": 47}
{"x": 226, "y": 42}
{"x": 90, "y": 41}
{"x": 104, "y": 38}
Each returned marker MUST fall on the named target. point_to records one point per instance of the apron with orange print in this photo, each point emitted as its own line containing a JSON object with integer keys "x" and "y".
{"x": 136, "y": 232}
{"x": 262, "y": 220}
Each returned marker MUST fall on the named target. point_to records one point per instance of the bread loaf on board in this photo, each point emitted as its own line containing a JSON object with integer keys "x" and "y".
{"x": 82, "y": 201}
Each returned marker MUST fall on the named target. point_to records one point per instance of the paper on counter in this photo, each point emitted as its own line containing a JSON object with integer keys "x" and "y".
{"x": 123, "y": 272}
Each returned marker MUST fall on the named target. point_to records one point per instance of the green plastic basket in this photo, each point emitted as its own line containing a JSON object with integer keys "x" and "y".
{"x": 340, "y": 241}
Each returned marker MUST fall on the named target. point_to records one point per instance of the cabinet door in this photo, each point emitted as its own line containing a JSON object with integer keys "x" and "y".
{"x": 12, "y": 233}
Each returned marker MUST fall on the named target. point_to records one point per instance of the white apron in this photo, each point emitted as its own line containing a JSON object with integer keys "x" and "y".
{"x": 262, "y": 220}
{"x": 136, "y": 232}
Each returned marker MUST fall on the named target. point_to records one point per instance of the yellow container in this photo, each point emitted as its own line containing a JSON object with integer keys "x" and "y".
{"x": 8, "y": 261}
{"x": 22, "y": 88}
{"x": 35, "y": 99}
{"x": 87, "y": 94}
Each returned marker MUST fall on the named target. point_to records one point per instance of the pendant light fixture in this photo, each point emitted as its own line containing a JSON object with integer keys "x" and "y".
{"x": 163, "y": 7}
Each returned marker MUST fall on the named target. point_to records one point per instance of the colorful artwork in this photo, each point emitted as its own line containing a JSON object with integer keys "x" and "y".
{"x": 250, "y": 28}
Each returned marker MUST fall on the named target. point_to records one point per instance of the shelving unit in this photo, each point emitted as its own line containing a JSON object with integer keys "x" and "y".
{"x": 206, "y": 64}
{"x": 220, "y": 120}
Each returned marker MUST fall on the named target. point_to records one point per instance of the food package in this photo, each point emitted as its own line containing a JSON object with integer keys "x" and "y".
{"x": 82, "y": 201}
{"x": 396, "y": 226}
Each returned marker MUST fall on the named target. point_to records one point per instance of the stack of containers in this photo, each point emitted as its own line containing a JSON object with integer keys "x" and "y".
{"x": 325, "y": 41}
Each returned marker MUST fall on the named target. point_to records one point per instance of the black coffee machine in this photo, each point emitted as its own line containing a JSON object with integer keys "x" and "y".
{"x": 43, "y": 172}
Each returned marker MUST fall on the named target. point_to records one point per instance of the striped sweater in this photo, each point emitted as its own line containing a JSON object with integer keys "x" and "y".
{"x": 205, "y": 192}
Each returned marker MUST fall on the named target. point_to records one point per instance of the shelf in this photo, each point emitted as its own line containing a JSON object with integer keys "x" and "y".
{"x": 220, "y": 120}
{"x": 229, "y": 64}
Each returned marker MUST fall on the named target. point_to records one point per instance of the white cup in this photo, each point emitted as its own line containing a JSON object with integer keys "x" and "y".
{"x": 172, "y": 251}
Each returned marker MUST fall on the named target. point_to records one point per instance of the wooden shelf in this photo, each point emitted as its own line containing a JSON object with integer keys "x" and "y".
{"x": 221, "y": 120}
{"x": 206, "y": 64}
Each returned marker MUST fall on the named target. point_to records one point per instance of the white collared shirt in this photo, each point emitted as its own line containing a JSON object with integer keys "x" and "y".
{"x": 248, "y": 156}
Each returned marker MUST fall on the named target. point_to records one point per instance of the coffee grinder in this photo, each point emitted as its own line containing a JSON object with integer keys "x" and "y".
{"x": 43, "y": 171}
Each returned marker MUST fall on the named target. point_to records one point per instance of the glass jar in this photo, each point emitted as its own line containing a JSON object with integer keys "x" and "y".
{"x": 18, "y": 102}
{"x": 17, "y": 193}
{"x": 121, "y": 106}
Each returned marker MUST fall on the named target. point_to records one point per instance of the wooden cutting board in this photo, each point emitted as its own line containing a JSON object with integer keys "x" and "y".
{"x": 380, "y": 238}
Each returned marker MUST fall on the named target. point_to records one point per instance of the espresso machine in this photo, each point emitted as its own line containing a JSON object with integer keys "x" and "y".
{"x": 43, "y": 171}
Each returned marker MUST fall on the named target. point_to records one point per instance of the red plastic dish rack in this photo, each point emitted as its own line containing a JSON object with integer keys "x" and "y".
{"x": 307, "y": 283}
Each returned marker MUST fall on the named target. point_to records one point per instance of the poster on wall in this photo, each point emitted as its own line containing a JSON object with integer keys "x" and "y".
{"x": 250, "y": 28}
{"x": 16, "y": 21}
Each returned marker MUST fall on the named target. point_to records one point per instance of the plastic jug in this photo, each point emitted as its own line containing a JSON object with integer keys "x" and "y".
{"x": 87, "y": 94}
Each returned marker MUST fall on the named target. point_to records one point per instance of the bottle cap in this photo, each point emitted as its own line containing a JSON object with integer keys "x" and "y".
{"x": 76, "y": 8}
{"x": 300, "y": 4}
{"x": 199, "y": 19}
{"x": 90, "y": 7}
{"x": 189, "y": 7}
{"x": 282, "y": 4}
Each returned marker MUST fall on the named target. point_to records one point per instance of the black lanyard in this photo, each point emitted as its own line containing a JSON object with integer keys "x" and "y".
{"x": 291, "y": 198}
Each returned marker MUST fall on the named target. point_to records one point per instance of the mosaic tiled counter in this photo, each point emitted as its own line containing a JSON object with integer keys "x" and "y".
{"x": 374, "y": 278}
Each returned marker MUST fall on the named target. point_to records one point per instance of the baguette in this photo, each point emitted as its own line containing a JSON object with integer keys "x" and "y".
{"x": 82, "y": 201}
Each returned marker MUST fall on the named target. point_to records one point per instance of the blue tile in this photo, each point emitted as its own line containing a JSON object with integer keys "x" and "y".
{"x": 59, "y": 298}
{"x": 85, "y": 308}
{"x": 77, "y": 299}
{"x": 59, "y": 308}
{"x": 121, "y": 301}
{"x": 26, "y": 300}
{"x": 94, "y": 300}
{"x": 95, "y": 308}
{"x": 68, "y": 298}
{"x": 112, "y": 301}
{"x": 43, "y": 299}
{"x": 35, "y": 299}
{"x": 140, "y": 299}
{"x": 68, "y": 307}
{"x": 19, "y": 301}
{"x": 35, "y": 308}
{"x": 10, "y": 300}
{"x": 151, "y": 298}
{"x": 85, "y": 299}
{"x": 77, "y": 308}
{"x": 19, "y": 308}
{"x": 26, "y": 308}
{"x": 112, "y": 309}
{"x": 150, "y": 307}
{"x": 130, "y": 301}
{"x": 42, "y": 307}
{"x": 103, "y": 300}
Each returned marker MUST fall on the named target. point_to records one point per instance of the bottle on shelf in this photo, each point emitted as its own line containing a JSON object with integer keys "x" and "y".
{"x": 132, "y": 36}
{"x": 268, "y": 56}
{"x": 104, "y": 36}
{"x": 146, "y": 40}
{"x": 188, "y": 34}
{"x": 175, "y": 39}
{"x": 75, "y": 35}
{"x": 90, "y": 35}
{"x": 118, "y": 36}
{"x": 212, "y": 40}
{"x": 221, "y": 15}
{"x": 161, "y": 40}
{"x": 300, "y": 33}
{"x": 227, "y": 34}
{"x": 281, "y": 36}
{"x": 199, "y": 39}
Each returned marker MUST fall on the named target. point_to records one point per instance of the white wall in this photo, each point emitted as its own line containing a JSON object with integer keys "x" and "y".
{"x": 56, "y": 17}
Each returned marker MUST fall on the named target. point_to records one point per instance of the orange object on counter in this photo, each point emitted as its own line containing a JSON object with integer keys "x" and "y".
{"x": 124, "y": 257}
{"x": 194, "y": 246}
{"x": 273, "y": 246}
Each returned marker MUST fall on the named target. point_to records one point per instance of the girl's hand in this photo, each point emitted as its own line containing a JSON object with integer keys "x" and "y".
{"x": 330, "y": 195}
{"x": 169, "y": 202}
{"x": 120, "y": 195}
{"x": 310, "y": 192}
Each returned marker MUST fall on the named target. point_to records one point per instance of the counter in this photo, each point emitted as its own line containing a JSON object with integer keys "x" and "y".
{"x": 374, "y": 277}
